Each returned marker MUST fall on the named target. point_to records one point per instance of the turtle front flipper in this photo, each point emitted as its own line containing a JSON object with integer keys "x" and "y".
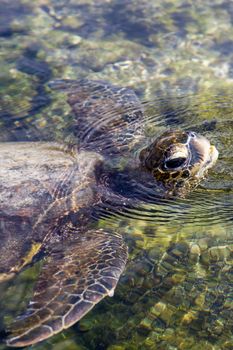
{"x": 75, "y": 277}
{"x": 109, "y": 118}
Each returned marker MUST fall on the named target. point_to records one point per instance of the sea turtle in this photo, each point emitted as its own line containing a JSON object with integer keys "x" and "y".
{"x": 50, "y": 194}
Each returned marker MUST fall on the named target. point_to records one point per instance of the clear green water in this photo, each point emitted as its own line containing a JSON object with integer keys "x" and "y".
{"x": 177, "y": 290}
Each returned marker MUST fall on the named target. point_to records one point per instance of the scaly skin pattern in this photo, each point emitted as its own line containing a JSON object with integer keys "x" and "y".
{"x": 71, "y": 284}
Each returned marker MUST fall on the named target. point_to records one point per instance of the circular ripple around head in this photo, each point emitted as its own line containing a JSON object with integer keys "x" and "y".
{"x": 212, "y": 202}
{"x": 200, "y": 210}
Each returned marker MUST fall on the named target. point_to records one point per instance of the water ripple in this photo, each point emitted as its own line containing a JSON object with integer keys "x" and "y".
{"x": 212, "y": 202}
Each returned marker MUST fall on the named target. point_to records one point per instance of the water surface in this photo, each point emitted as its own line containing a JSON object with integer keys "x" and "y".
{"x": 176, "y": 292}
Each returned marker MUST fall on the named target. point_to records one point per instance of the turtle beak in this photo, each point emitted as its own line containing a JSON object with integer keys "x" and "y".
{"x": 203, "y": 154}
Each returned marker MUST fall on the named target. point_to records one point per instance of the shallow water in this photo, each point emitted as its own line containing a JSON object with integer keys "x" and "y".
{"x": 177, "y": 291}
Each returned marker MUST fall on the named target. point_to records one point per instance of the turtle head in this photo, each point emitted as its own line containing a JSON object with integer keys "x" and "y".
{"x": 179, "y": 160}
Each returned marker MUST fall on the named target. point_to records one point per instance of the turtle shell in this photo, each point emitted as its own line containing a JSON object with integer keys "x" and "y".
{"x": 41, "y": 183}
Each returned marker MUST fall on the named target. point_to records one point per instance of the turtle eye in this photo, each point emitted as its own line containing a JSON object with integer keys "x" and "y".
{"x": 175, "y": 162}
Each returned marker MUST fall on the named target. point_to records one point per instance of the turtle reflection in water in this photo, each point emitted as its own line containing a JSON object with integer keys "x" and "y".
{"x": 50, "y": 193}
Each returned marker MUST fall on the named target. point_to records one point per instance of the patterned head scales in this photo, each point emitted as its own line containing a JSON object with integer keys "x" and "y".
{"x": 179, "y": 159}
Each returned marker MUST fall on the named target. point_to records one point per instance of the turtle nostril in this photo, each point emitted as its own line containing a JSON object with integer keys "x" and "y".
{"x": 192, "y": 134}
